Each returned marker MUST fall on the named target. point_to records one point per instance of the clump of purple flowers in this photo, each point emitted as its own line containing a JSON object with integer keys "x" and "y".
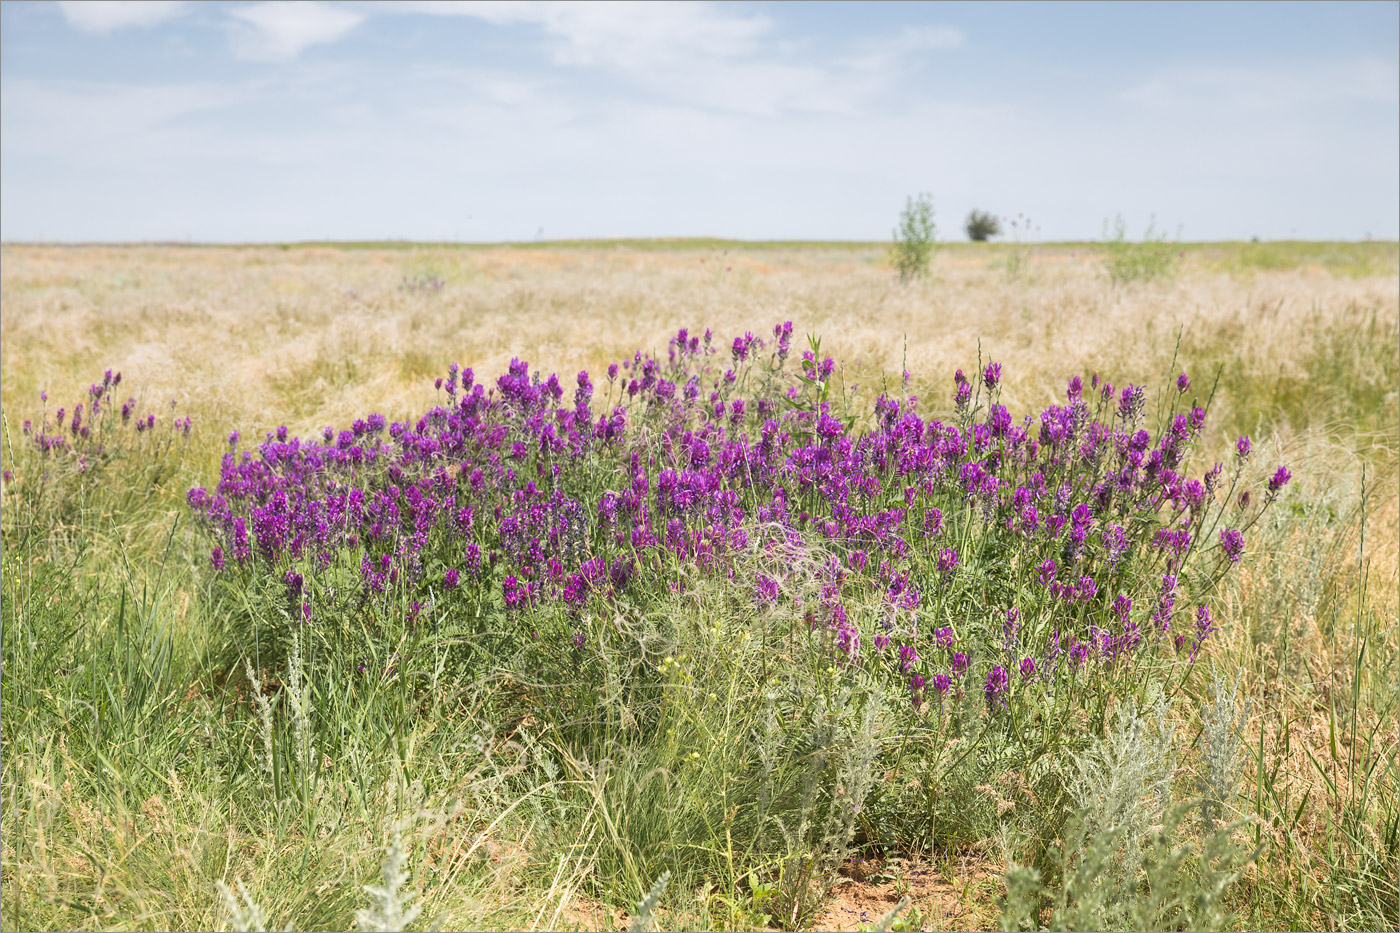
{"x": 1059, "y": 543}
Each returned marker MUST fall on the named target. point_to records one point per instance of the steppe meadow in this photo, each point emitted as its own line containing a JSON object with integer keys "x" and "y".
{"x": 691, "y": 584}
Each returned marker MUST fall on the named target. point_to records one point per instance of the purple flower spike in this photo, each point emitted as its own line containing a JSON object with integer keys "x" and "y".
{"x": 1243, "y": 447}
{"x": 1232, "y": 542}
{"x": 960, "y": 664}
{"x": 1028, "y": 668}
{"x": 1279, "y": 480}
{"x": 1182, "y": 383}
{"x": 991, "y": 375}
{"x": 997, "y": 684}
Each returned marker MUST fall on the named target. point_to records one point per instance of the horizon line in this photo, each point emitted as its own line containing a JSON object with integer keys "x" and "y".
{"x": 682, "y": 241}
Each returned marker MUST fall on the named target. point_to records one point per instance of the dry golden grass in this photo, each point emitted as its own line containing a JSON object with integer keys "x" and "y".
{"x": 254, "y": 337}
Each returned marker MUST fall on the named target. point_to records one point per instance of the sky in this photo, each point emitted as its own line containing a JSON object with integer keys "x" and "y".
{"x": 488, "y": 121}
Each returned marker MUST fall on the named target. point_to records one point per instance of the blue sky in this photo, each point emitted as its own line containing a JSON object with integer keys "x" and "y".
{"x": 270, "y": 121}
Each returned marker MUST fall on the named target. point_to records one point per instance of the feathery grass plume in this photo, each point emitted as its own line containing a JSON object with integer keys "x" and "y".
{"x": 389, "y": 910}
{"x": 645, "y": 917}
{"x": 266, "y": 761}
{"x": 1222, "y": 721}
{"x": 299, "y": 695}
{"x": 245, "y": 916}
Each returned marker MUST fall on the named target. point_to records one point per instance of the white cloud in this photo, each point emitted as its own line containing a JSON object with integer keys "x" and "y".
{"x": 623, "y": 35}
{"x": 707, "y": 55}
{"x": 278, "y": 30}
{"x": 106, "y": 15}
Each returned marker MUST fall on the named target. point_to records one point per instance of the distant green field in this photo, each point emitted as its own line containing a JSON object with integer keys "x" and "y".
{"x": 1369, "y": 257}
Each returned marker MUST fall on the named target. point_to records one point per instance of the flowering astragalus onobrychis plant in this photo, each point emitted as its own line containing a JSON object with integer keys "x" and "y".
{"x": 1024, "y": 562}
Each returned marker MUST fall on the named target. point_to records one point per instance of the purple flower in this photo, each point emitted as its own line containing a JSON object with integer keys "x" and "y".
{"x": 847, "y": 636}
{"x": 997, "y": 684}
{"x": 991, "y": 375}
{"x": 1122, "y": 606}
{"x": 933, "y": 523}
{"x": 1130, "y": 402}
{"x": 1232, "y": 542}
{"x": 942, "y": 683}
{"x": 1028, "y": 668}
{"x": 916, "y": 691}
{"x": 943, "y": 637}
{"x": 1182, "y": 383}
{"x": 1205, "y": 625}
{"x": 1243, "y": 447}
{"x": 1279, "y": 480}
{"x": 450, "y": 580}
{"x": 907, "y": 657}
{"x": 960, "y": 664}
{"x": 947, "y": 560}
